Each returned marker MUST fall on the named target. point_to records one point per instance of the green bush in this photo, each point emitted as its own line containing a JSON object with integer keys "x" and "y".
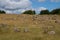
{"x": 29, "y": 12}
{"x": 55, "y": 11}
{"x": 44, "y": 12}
{"x": 2, "y": 12}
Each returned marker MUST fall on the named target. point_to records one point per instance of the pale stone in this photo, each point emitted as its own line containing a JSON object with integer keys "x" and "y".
{"x": 51, "y": 32}
{"x": 16, "y": 29}
{"x": 26, "y": 30}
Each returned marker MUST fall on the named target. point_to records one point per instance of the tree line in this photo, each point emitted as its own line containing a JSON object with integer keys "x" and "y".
{"x": 2, "y": 12}
{"x": 43, "y": 12}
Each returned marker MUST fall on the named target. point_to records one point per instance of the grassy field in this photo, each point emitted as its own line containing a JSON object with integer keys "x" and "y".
{"x": 38, "y": 27}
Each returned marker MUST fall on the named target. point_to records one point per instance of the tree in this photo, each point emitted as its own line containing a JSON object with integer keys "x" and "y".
{"x": 44, "y": 12}
{"x": 55, "y": 11}
{"x": 31, "y": 12}
{"x": 2, "y": 12}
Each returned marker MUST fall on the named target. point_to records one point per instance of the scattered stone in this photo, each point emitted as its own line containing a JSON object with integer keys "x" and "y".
{"x": 53, "y": 18}
{"x": 45, "y": 30}
{"x": 34, "y": 18}
{"x": 26, "y": 30}
{"x": 16, "y": 29}
{"x": 51, "y": 32}
{"x": 48, "y": 30}
{"x": 56, "y": 21}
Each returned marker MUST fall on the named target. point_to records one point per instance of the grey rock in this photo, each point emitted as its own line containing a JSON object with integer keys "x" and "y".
{"x": 26, "y": 30}
{"x": 51, "y": 32}
{"x": 16, "y": 29}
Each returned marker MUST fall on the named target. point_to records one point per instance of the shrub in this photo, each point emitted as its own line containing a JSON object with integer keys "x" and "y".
{"x": 2, "y": 12}
{"x": 44, "y": 12}
{"x": 29, "y": 12}
{"x": 55, "y": 11}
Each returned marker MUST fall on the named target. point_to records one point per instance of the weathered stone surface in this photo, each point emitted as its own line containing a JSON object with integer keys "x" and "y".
{"x": 16, "y": 29}
{"x": 51, "y": 32}
{"x": 26, "y": 30}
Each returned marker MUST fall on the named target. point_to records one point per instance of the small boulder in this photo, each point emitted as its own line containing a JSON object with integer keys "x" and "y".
{"x": 51, "y": 32}
{"x": 26, "y": 30}
{"x": 16, "y": 29}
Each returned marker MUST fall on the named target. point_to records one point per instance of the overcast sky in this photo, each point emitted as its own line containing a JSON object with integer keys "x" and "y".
{"x": 19, "y": 6}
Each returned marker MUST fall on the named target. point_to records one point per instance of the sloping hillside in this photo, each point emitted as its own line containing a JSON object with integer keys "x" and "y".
{"x": 39, "y": 27}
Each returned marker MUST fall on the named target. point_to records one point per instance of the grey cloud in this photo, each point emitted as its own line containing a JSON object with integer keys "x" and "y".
{"x": 13, "y": 5}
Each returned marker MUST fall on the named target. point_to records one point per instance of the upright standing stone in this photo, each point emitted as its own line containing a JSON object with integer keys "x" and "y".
{"x": 26, "y": 30}
{"x": 16, "y": 29}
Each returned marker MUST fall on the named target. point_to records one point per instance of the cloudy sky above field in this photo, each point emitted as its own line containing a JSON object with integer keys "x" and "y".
{"x": 19, "y": 6}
